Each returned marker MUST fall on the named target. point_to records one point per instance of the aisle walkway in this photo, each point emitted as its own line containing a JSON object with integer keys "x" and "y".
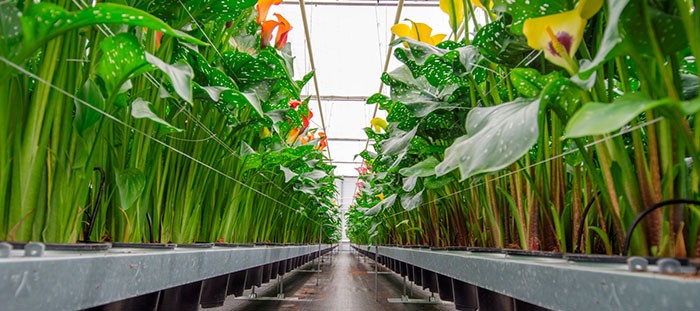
{"x": 345, "y": 285}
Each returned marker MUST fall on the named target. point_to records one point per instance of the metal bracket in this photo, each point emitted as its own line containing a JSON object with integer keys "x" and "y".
{"x": 5, "y": 249}
{"x": 405, "y": 300}
{"x": 669, "y": 265}
{"x": 637, "y": 264}
{"x": 34, "y": 249}
{"x": 280, "y": 294}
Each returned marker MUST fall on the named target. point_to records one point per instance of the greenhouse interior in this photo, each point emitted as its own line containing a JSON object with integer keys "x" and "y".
{"x": 349, "y": 155}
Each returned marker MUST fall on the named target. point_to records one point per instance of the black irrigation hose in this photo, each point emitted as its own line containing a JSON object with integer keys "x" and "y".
{"x": 582, "y": 222}
{"x": 95, "y": 210}
{"x": 648, "y": 211}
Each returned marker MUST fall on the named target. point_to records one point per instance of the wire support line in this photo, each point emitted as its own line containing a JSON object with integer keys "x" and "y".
{"x": 545, "y": 161}
{"x": 387, "y": 59}
{"x": 164, "y": 144}
{"x": 201, "y": 29}
{"x": 107, "y": 32}
{"x": 302, "y": 8}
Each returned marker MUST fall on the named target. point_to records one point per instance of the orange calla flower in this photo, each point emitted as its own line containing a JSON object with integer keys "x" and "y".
{"x": 293, "y": 103}
{"x": 263, "y": 6}
{"x": 305, "y": 119}
{"x": 324, "y": 142}
{"x": 266, "y": 34}
{"x": 282, "y": 32}
{"x": 293, "y": 135}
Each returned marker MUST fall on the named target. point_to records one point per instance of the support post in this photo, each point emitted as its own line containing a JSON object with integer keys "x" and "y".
{"x": 376, "y": 267}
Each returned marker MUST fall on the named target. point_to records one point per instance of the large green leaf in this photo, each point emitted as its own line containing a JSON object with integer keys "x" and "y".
{"x": 496, "y": 137}
{"x": 499, "y": 45}
{"x": 418, "y": 96}
{"x": 44, "y": 21}
{"x": 600, "y": 118}
{"x": 668, "y": 30}
{"x": 398, "y": 142}
{"x": 179, "y": 73}
{"x": 123, "y": 57}
{"x": 218, "y": 10}
{"x": 521, "y": 10}
{"x": 410, "y": 201}
{"x": 421, "y": 169}
{"x": 130, "y": 183}
{"x": 387, "y": 202}
{"x": 10, "y": 30}
{"x": 141, "y": 109}
{"x": 86, "y": 117}
{"x": 611, "y": 41}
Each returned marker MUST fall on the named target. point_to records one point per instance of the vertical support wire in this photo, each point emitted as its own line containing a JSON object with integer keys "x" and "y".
{"x": 302, "y": 8}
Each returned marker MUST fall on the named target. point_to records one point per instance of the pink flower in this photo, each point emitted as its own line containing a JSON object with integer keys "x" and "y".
{"x": 361, "y": 170}
{"x": 360, "y": 185}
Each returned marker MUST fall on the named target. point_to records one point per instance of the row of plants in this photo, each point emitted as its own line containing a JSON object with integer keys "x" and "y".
{"x": 156, "y": 121}
{"x": 505, "y": 134}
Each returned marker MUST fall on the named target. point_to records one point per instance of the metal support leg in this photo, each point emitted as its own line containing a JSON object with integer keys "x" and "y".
{"x": 253, "y": 295}
{"x": 376, "y": 275}
{"x": 404, "y": 297}
{"x": 320, "y": 238}
{"x": 280, "y": 294}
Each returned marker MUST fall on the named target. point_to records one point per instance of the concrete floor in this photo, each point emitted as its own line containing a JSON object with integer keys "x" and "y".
{"x": 345, "y": 285}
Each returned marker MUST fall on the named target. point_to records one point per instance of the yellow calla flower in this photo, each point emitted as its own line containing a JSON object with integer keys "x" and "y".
{"x": 417, "y": 31}
{"x": 559, "y": 35}
{"x": 477, "y": 3}
{"x": 380, "y": 196}
{"x": 378, "y": 124}
{"x": 455, "y": 10}
{"x": 264, "y": 132}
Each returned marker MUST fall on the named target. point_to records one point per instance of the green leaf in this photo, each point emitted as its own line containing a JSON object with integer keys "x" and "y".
{"x": 668, "y": 29}
{"x": 690, "y": 86}
{"x": 238, "y": 99}
{"x": 409, "y": 183}
{"x": 130, "y": 183}
{"x": 508, "y": 130}
{"x": 419, "y": 51}
{"x": 599, "y": 118}
{"x": 527, "y": 81}
{"x": 520, "y": 10}
{"x": 123, "y": 57}
{"x": 421, "y": 169}
{"x": 691, "y": 107}
{"x": 288, "y": 174}
{"x": 387, "y": 202}
{"x": 499, "y": 45}
{"x": 419, "y": 97}
{"x": 86, "y": 117}
{"x": 411, "y": 201}
{"x": 398, "y": 142}
{"x": 218, "y": 10}
{"x": 44, "y": 21}
{"x": 10, "y": 30}
{"x": 611, "y": 39}
{"x": 141, "y": 109}
{"x": 180, "y": 74}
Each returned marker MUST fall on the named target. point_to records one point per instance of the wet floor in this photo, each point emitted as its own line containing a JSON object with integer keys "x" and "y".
{"x": 343, "y": 285}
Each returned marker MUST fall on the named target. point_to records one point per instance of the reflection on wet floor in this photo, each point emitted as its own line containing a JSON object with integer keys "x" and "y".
{"x": 344, "y": 285}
